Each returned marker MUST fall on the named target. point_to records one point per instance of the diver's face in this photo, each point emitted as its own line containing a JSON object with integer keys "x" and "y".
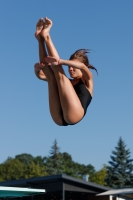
{"x": 74, "y": 73}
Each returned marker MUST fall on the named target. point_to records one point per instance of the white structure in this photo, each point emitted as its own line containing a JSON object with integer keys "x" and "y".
{"x": 127, "y": 192}
{"x": 86, "y": 177}
{"x": 117, "y": 198}
{"x": 18, "y": 192}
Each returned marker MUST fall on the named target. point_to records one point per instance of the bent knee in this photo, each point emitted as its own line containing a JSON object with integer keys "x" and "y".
{"x": 73, "y": 119}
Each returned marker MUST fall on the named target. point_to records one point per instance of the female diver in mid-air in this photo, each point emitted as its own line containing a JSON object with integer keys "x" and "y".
{"x": 68, "y": 98}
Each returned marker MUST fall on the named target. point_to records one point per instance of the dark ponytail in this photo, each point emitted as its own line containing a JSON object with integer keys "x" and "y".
{"x": 91, "y": 67}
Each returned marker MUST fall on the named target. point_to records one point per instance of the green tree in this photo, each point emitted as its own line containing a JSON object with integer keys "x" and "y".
{"x": 59, "y": 162}
{"x": 34, "y": 170}
{"x": 73, "y": 168}
{"x": 56, "y": 163}
{"x": 24, "y": 158}
{"x": 119, "y": 172}
{"x": 86, "y": 169}
{"x": 67, "y": 164}
{"x": 14, "y": 169}
{"x": 99, "y": 176}
{"x": 11, "y": 169}
{"x": 39, "y": 160}
{"x": 53, "y": 162}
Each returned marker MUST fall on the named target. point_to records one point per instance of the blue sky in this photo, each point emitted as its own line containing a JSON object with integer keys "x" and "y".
{"x": 25, "y": 123}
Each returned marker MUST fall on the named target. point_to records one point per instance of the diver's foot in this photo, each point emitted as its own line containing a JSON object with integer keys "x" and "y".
{"x": 38, "y": 68}
{"x": 39, "y": 28}
{"x": 46, "y": 27}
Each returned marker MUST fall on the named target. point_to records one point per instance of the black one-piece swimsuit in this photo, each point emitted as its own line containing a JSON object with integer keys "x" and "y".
{"x": 84, "y": 97}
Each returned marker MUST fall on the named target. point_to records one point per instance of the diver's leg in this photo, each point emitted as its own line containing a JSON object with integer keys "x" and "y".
{"x": 40, "y": 39}
{"x": 70, "y": 103}
{"x": 45, "y": 33}
{"x": 54, "y": 100}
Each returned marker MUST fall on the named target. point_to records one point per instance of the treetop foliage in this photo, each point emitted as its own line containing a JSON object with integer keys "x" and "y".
{"x": 120, "y": 169}
{"x": 117, "y": 174}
